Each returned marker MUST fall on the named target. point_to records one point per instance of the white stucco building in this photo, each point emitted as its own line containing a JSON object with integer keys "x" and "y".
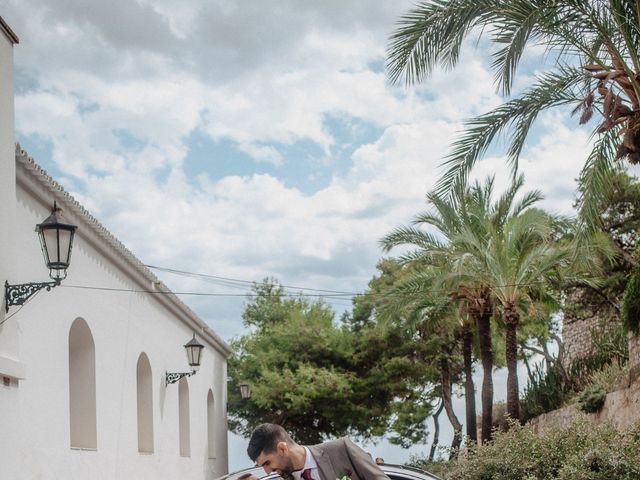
{"x": 82, "y": 370}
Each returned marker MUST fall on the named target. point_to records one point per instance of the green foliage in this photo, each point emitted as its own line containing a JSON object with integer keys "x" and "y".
{"x": 610, "y": 346}
{"x": 379, "y": 310}
{"x": 595, "y": 45}
{"x": 316, "y": 378}
{"x": 592, "y": 398}
{"x": 439, "y": 467}
{"x": 612, "y": 377}
{"x": 544, "y": 393}
{"x": 631, "y": 305}
{"x": 581, "y": 452}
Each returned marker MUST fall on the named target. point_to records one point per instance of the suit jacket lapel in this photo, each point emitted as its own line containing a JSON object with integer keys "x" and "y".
{"x": 324, "y": 463}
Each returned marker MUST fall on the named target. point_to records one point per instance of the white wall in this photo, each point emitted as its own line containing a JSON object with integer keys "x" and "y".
{"x": 7, "y": 169}
{"x": 123, "y": 325}
{"x": 34, "y": 346}
{"x": 10, "y": 366}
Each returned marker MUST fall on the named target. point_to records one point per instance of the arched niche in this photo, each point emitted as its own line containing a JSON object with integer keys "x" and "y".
{"x": 82, "y": 386}
{"x": 144, "y": 397}
{"x": 183, "y": 418}
{"x": 211, "y": 433}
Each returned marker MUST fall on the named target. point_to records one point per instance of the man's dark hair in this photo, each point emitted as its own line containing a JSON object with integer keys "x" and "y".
{"x": 265, "y": 438}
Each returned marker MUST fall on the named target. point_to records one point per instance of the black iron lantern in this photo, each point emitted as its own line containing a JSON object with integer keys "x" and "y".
{"x": 245, "y": 390}
{"x": 194, "y": 352}
{"x": 245, "y": 394}
{"x": 56, "y": 240}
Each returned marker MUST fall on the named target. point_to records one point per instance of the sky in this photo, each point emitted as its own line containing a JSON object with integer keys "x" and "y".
{"x": 252, "y": 139}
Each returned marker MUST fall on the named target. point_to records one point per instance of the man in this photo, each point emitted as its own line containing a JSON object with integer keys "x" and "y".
{"x": 272, "y": 448}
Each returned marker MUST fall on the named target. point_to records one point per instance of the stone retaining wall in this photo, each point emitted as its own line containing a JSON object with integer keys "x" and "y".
{"x": 583, "y": 313}
{"x": 621, "y": 408}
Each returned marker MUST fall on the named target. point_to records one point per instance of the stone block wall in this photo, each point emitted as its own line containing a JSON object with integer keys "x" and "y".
{"x": 578, "y": 324}
{"x": 634, "y": 357}
{"x": 621, "y": 408}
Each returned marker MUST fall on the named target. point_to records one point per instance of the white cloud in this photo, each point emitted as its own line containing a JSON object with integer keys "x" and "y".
{"x": 118, "y": 104}
{"x": 551, "y": 164}
{"x": 118, "y": 101}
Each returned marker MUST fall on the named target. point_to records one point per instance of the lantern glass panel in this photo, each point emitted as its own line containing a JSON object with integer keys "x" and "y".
{"x": 66, "y": 237}
{"x": 193, "y": 355}
{"x": 48, "y": 242}
{"x": 57, "y": 247}
{"x": 245, "y": 392}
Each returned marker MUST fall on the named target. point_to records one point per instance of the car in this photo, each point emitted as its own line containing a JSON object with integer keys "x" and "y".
{"x": 394, "y": 472}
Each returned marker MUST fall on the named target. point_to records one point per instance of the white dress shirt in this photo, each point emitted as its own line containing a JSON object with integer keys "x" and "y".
{"x": 309, "y": 463}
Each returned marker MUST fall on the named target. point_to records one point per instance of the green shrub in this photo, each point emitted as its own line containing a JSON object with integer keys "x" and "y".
{"x": 544, "y": 392}
{"x": 612, "y": 377}
{"x": 592, "y": 398}
{"x": 438, "y": 467}
{"x": 610, "y": 346}
{"x": 631, "y": 304}
{"x": 582, "y": 451}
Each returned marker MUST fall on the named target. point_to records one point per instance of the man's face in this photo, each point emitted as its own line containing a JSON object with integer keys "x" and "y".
{"x": 279, "y": 461}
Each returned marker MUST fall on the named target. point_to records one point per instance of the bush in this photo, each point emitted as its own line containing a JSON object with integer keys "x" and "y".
{"x": 544, "y": 392}
{"x": 610, "y": 346}
{"x": 581, "y": 451}
{"x": 592, "y": 398}
{"x": 631, "y": 304}
{"x": 438, "y": 467}
{"x": 612, "y": 377}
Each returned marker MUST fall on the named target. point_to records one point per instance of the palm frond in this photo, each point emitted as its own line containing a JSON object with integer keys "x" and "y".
{"x": 410, "y": 236}
{"x": 517, "y": 25}
{"x": 550, "y": 90}
{"x": 528, "y": 200}
{"x": 596, "y": 180}
{"x": 432, "y": 34}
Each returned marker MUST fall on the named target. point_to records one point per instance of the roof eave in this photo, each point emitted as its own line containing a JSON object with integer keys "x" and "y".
{"x": 6, "y": 29}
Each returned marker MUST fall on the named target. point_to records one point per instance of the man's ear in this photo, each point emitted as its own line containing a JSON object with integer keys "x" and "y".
{"x": 282, "y": 448}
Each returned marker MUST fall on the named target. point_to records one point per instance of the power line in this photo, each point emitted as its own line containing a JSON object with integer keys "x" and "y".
{"x": 201, "y": 294}
{"x": 336, "y": 292}
{"x": 330, "y": 298}
{"x": 244, "y": 282}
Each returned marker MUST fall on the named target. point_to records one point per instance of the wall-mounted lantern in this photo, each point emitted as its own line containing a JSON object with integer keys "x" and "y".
{"x": 245, "y": 391}
{"x": 194, "y": 352}
{"x": 56, "y": 240}
{"x": 245, "y": 394}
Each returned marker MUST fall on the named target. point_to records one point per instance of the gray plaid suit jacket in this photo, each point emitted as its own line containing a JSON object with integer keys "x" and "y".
{"x": 342, "y": 457}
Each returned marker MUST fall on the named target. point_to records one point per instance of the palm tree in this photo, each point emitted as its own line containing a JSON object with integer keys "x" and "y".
{"x": 464, "y": 223}
{"x": 520, "y": 261}
{"x": 432, "y": 252}
{"x": 597, "y": 44}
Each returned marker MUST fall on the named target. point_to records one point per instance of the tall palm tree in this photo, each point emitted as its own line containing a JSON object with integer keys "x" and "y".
{"x": 520, "y": 261}
{"x": 597, "y": 44}
{"x": 460, "y": 224}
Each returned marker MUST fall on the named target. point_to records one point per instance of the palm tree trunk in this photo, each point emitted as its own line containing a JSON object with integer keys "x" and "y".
{"x": 448, "y": 406}
{"x": 483, "y": 322}
{"x": 511, "y": 320}
{"x": 469, "y": 388}
{"x": 436, "y": 432}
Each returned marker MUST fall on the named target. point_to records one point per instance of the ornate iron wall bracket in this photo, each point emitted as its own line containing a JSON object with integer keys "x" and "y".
{"x": 174, "y": 377}
{"x": 19, "y": 294}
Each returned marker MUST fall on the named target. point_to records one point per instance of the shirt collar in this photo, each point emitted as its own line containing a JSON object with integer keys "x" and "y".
{"x": 309, "y": 463}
